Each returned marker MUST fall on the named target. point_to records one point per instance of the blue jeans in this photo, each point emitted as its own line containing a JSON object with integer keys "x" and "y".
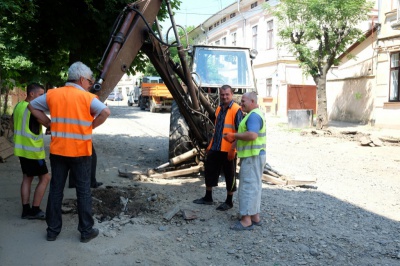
{"x": 81, "y": 168}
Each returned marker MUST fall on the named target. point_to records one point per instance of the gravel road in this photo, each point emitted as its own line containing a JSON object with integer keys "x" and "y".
{"x": 350, "y": 216}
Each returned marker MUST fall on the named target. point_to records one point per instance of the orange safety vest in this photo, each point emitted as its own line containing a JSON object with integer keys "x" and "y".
{"x": 229, "y": 126}
{"x": 71, "y": 121}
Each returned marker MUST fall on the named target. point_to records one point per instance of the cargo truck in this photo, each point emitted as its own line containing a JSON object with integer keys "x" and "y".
{"x": 154, "y": 95}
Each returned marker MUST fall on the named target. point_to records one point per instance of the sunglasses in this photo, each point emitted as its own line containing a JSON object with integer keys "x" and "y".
{"x": 90, "y": 82}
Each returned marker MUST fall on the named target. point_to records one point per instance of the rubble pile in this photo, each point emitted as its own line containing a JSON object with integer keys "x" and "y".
{"x": 5, "y": 126}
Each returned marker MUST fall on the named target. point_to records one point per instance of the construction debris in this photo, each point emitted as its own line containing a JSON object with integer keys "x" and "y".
{"x": 371, "y": 142}
{"x": 5, "y": 126}
{"x": 272, "y": 176}
{"x": 172, "y": 212}
{"x": 189, "y": 214}
{"x": 6, "y": 149}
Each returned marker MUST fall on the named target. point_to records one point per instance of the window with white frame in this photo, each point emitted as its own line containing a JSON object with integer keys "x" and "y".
{"x": 268, "y": 87}
{"x": 396, "y": 5}
{"x": 394, "y": 78}
{"x": 224, "y": 41}
{"x": 254, "y": 37}
{"x": 270, "y": 34}
{"x": 233, "y": 37}
{"x": 217, "y": 42}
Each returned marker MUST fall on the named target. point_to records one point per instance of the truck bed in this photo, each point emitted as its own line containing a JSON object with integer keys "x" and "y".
{"x": 155, "y": 89}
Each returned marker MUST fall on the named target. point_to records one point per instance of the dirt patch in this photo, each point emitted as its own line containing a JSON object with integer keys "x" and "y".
{"x": 110, "y": 202}
{"x": 350, "y": 135}
{"x": 350, "y": 217}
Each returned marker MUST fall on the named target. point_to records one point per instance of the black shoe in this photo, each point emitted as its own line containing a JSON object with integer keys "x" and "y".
{"x": 96, "y": 185}
{"x": 224, "y": 207}
{"x": 203, "y": 201}
{"x": 51, "y": 237}
{"x": 25, "y": 215}
{"x": 40, "y": 215}
{"x": 93, "y": 234}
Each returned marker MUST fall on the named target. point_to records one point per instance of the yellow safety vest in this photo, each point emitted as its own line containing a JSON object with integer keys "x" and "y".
{"x": 26, "y": 143}
{"x": 253, "y": 147}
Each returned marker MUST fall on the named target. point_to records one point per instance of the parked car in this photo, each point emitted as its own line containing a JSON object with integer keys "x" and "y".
{"x": 111, "y": 96}
{"x": 133, "y": 96}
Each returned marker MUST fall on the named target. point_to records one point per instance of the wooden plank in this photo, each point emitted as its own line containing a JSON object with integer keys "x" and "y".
{"x": 273, "y": 180}
{"x": 4, "y": 141}
{"x": 295, "y": 182}
{"x": 6, "y": 148}
{"x": 191, "y": 170}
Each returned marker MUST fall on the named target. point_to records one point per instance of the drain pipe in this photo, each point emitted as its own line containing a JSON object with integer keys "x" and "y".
{"x": 244, "y": 23}
{"x": 204, "y": 32}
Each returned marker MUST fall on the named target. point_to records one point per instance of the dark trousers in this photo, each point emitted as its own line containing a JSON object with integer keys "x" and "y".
{"x": 215, "y": 162}
{"x": 93, "y": 180}
{"x": 80, "y": 167}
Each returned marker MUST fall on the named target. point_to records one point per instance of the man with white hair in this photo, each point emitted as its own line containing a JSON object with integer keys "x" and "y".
{"x": 74, "y": 112}
{"x": 251, "y": 148}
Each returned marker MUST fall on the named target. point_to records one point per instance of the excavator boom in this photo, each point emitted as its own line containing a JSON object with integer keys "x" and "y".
{"x": 192, "y": 113}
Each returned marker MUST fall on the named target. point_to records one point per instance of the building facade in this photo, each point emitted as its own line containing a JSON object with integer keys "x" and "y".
{"x": 126, "y": 84}
{"x": 387, "y": 51}
{"x": 245, "y": 23}
{"x": 361, "y": 90}
{"x": 366, "y": 89}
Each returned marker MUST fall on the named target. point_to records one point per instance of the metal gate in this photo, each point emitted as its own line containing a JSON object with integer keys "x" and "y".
{"x": 302, "y": 97}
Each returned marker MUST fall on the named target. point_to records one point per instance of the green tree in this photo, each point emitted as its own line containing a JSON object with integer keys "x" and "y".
{"x": 318, "y": 32}
{"x": 182, "y": 33}
{"x": 12, "y": 60}
{"x": 60, "y": 33}
{"x": 150, "y": 70}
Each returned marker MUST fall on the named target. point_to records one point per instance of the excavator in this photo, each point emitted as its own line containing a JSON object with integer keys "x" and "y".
{"x": 193, "y": 82}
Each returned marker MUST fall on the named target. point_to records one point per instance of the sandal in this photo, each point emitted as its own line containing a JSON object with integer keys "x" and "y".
{"x": 259, "y": 223}
{"x": 224, "y": 207}
{"x": 238, "y": 226}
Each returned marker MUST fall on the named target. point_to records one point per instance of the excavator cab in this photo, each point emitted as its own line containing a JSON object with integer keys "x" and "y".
{"x": 216, "y": 66}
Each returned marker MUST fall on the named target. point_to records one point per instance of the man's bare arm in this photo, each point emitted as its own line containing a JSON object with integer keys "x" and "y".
{"x": 41, "y": 116}
{"x": 104, "y": 114}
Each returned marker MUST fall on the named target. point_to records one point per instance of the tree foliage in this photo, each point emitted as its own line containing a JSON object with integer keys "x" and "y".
{"x": 12, "y": 60}
{"x": 318, "y": 32}
{"x": 182, "y": 33}
{"x": 49, "y": 35}
{"x": 150, "y": 70}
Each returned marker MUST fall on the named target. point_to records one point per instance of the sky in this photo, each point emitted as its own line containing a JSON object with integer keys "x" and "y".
{"x": 193, "y": 12}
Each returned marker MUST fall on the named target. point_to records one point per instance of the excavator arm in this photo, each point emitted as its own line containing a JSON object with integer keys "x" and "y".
{"x": 132, "y": 33}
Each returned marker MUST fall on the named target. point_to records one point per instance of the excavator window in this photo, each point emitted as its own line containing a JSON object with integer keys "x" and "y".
{"x": 217, "y": 66}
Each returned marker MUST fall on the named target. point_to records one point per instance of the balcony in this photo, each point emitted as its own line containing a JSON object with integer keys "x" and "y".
{"x": 395, "y": 25}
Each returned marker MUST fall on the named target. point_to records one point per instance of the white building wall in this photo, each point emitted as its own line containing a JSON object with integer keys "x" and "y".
{"x": 126, "y": 84}
{"x": 270, "y": 64}
{"x": 386, "y": 112}
{"x": 280, "y": 66}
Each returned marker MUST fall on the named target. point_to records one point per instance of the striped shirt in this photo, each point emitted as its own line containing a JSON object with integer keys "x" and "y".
{"x": 219, "y": 126}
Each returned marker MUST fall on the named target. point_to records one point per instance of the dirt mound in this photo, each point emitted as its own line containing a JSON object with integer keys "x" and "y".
{"x": 110, "y": 202}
